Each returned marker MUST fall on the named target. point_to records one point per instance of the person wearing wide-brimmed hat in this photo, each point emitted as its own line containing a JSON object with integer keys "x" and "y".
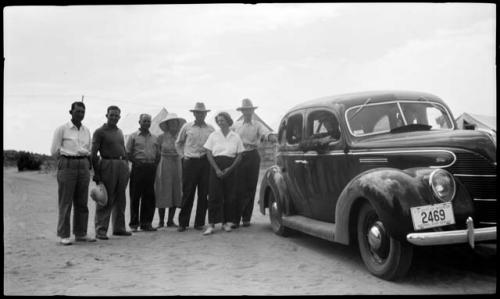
{"x": 195, "y": 167}
{"x": 168, "y": 182}
{"x": 251, "y": 132}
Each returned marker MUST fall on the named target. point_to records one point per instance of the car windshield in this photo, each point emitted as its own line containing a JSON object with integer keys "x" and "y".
{"x": 385, "y": 117}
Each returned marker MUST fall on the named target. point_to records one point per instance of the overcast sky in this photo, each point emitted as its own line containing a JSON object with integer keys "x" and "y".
{"x": 143, "y": 58}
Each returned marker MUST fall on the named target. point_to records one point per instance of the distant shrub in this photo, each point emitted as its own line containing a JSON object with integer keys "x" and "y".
{"x": 28, "y": 161}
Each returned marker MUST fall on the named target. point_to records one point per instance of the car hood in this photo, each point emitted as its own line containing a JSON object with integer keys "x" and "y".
{"x": 475, "y": 141}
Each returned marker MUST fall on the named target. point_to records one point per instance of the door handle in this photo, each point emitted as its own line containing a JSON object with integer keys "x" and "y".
{"x": 300, "y": 161}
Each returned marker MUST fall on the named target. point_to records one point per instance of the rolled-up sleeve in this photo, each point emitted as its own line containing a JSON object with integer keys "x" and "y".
{"x": 57, "y": 141}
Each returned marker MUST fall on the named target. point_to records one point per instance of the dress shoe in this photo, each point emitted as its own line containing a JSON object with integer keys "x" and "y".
{"x": 181, "y": 228}
{"x": 84, "y": 239}
{"x": 134, "y": 229}
{"x": 161, "y": 224}
{"x": 123, "y": 233}
{"x": 65, "y": 241}
{"x": 171, "y": 224}
{"x": 208, "y": 231}
{"x": 235, "y": 225}
{"x": 148, "y": 228}
{"x": 199, "y": 227}
{"x": 246, "y": 223}
{"x": 101, "y": 237}
{"x": 226, "y": 227}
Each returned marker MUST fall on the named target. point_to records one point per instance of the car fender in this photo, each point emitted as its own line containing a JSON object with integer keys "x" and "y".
{"x": 391, "y": 192}
{"x": 273, "y": 181}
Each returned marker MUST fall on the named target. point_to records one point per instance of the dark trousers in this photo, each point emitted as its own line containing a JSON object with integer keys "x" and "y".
{"x": 195, "y": 173}
{"x": 221, "y": 193}
{"x": 141, "y": 188}
{"x": 73, "y": 177}
{"x": 248, "y": 175}
{"x": 114, "y": 175}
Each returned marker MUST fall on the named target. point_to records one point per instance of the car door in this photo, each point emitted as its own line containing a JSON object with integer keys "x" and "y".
{"x": 327, "y": 162}
{"x": 294, "y": 166}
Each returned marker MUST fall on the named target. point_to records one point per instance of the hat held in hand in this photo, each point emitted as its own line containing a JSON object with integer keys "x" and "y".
{"x": 99, "y": 194}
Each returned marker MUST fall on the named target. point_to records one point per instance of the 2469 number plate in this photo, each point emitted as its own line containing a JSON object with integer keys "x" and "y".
{"x": 432, "y": 216}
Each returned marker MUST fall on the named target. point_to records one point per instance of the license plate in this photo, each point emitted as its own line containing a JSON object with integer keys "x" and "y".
{"x": 432, "y": 216}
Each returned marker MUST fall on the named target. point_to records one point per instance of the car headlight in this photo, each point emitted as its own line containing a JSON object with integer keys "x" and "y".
{"x": 442, "y": 184}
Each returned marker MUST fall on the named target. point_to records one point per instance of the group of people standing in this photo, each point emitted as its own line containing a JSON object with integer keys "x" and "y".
{"x": 222, "y": 166}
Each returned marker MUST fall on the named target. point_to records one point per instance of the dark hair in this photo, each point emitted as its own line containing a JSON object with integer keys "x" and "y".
{"x": 113, "y": 108}
{"x": 77, "y": 103}
{"x": 226, "y": 116}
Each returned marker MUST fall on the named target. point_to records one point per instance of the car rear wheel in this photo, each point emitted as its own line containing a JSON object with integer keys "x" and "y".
{"x": 383, "y": 255}
{"x": 276, "y": 215}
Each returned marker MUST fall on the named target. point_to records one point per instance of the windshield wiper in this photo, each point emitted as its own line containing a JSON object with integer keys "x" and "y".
{"x": 360, "y": 107}
{"x": 411, "y": 127}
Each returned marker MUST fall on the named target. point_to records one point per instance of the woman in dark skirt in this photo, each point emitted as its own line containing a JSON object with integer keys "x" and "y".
{"x": 224, "y": 148}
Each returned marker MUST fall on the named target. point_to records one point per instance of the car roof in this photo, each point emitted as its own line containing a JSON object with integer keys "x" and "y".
{"x": 359, "y": 98}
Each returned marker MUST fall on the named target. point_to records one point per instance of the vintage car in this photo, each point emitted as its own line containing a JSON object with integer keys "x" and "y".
{"x": 388, "y": 170}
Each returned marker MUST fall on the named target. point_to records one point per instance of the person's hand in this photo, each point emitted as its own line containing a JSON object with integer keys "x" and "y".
{"x": 225, "y": 172}
{"x": 219, "y": 173}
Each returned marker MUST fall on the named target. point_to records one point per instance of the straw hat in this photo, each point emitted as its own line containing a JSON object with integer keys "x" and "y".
{"x": 199, "y": 107}
{"x": 246, "y": 104}
{"x": 99, "y": 194}
{"x": 170, "y": 116}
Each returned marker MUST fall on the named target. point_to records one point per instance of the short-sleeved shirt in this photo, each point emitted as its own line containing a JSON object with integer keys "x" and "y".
{"x": 221, "y": 145}
{"x": 142, "y": 146}
{"x": 191, "y": 139}
{"x": 70, "y": 141}
{"x": 250, "y": 133}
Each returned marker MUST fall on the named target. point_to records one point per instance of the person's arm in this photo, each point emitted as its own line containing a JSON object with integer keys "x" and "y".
{"x": 157, "y": 146}
{"x": 213, "y": 164}
{"x": 230, "y": 169}
{"x": 96, "y": 145}
{"x": 239, "y": 150}
{"x": 181, "y": 140}
{"x": 55, "y": 149}
{"x": 129, "y": 147}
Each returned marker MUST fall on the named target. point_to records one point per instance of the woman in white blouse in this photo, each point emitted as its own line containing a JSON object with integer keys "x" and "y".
{"x": 224, "y": 148}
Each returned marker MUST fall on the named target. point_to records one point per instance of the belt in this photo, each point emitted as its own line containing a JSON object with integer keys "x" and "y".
{"x": 75, "y": 157}
{"x": 190, "y": 158}
{"x": 250, "y": 151}
{"x": 146, "y": 162}
{"x": 114, "y": 158}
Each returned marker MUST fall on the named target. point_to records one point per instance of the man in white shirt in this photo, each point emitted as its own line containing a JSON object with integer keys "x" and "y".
{"x": 195, "y": 167}
{"x": 71, "y": 147}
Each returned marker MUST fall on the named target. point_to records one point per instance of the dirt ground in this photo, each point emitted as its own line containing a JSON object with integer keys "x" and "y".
{"x": 246, "y": 261}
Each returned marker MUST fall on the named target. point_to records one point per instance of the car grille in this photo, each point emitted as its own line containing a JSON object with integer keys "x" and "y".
{"x": 472, "y": 163}
{"x": 478, "y": 175}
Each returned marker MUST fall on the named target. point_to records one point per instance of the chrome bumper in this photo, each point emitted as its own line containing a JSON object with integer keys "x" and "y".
{"x": 469, "y": 235}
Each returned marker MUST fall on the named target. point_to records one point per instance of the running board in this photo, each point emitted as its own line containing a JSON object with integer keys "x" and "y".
{"x": 320, "y": 229}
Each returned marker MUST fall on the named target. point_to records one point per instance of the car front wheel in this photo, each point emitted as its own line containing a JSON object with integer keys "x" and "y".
{"x": 275, "y": 216}
{"x": 383, "y": 255}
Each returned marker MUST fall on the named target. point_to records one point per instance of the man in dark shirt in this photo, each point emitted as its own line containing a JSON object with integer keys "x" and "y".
{"x": 111, "y": 169}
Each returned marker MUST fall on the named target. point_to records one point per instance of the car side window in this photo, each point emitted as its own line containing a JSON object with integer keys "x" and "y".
{"x": 294, "y": 129}
{"x": 322, "y": 124}
{"x": 282, "y": 133}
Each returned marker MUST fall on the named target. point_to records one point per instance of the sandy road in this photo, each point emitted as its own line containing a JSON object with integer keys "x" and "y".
{"x": 246, "y": 261}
